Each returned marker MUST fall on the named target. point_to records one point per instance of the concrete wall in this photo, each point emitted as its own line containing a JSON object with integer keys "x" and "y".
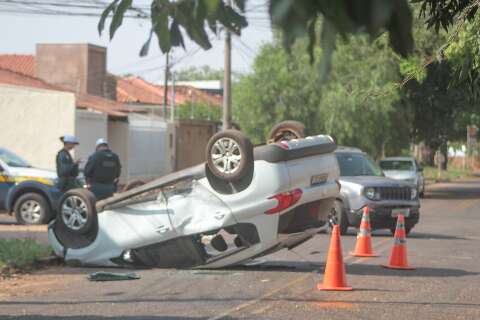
{"x": 89, "y": 126}
{"x": 149, "y": 149}
{"x": 79, "y": 67}
{"x": 191, "y": 140}
{"x": 32, "y": 120}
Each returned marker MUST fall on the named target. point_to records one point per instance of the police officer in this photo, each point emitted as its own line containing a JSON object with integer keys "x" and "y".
{"x": 67, "y": 168}
{"x": 102, "y": 170}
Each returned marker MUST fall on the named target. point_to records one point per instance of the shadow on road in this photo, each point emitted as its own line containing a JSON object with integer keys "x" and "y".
{"x": 433, "y": 236}
{"x": 375, "y": 270}
{"x": 453, "y": 194}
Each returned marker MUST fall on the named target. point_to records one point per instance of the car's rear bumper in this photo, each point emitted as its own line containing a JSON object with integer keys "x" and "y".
{"x": 381, "y": 217}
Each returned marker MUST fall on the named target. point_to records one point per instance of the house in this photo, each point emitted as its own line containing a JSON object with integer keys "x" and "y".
{"x": 65, "y": 89}
{"x": 38, "y": 104}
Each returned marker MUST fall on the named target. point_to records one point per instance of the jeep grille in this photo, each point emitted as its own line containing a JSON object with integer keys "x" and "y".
{"x": 395, "y": 193}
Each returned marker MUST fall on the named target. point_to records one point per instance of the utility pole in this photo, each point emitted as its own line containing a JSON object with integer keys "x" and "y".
{"x": 227, "y": 80}
{"x": 165, "y": 86}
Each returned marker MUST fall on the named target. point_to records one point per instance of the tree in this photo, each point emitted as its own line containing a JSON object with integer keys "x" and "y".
{"x": 438, "y": 114}
{"x": 357, "y": 104}
{"x": 199, "y": 73}
{"x": 171, "y": 19}
{"x": 296, "y": 19}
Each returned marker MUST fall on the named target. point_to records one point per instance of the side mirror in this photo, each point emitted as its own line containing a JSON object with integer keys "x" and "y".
{"x": 420, "y": 169}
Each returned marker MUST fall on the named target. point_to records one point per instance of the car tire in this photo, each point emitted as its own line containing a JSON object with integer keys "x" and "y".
{"x": 32, "y": 208}
{"x": 77, "y": 212}
{"x": 286, "y": 130}
{"x": 225, "y": 146}
{"x": 338, "y": 216}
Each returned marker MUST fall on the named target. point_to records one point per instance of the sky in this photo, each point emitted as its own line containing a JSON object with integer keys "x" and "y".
{"x": 21, "y": 32}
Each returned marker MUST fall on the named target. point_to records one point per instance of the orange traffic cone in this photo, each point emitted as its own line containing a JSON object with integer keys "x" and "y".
{"x": 363, "y": 248}
{"x": 398, "y": 258}
{"x": 334, "y": 278}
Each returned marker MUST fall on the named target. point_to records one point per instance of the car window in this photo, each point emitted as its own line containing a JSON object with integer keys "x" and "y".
{"x": 357, "y": 164}
{"x": 401, "y": 165}
{"x": 12, "y": 159}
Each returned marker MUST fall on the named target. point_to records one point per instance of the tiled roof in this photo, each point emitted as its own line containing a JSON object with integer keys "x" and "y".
{"x": 83, "y": 101}
{"x": 137, "y": 90}
{"x": 20, "y": 63}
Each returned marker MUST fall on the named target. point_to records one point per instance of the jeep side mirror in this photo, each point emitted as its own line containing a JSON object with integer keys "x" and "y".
{"x": 420, "y": 169}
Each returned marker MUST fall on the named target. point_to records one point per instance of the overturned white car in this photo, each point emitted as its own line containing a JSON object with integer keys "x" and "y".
{"x": 243, "y": 203}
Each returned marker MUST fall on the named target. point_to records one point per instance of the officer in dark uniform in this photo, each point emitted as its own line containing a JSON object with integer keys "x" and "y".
{"x": 67, "y": 168}
{"x": 102, "y": 171}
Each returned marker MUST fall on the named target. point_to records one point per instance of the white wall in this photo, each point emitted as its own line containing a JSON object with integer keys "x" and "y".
{"x": 32, "y": 120}
{"x": 149, "y": 154}
{"x": 89, "y": 126}
{"x": 118, "y": 139}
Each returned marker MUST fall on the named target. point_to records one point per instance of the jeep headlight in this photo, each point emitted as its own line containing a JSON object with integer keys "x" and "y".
{"x": 371, "y": 194}
{"x": 413, "y": 193}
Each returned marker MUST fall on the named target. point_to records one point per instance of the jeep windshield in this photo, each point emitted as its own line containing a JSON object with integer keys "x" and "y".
{"x": 12, "y": 160}
{"x": 357, "y": 164}
{"x": 398, "y": 165}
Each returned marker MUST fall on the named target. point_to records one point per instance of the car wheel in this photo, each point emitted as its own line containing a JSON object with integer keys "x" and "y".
{"x": 77, "y": 212}
{"x": 32, "y": 208}
{"x": 230, "y": 155}
{"x": 338, "y": 216}
{"x": 286, "y": 130}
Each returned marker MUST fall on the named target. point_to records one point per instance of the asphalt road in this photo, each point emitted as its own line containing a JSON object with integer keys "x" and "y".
{"x": 446, "y": 284}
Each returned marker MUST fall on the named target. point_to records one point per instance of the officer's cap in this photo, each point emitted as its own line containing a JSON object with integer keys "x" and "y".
{"x": 100, "y": 142}
{"x": 69, "y": 139}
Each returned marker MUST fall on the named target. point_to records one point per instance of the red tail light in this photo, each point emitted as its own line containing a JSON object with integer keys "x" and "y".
{"x": 285, "y": 200}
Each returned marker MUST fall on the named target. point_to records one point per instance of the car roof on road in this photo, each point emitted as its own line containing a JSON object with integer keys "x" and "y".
{"x": 347, "y": 149}
{"x": 398, "y": 159}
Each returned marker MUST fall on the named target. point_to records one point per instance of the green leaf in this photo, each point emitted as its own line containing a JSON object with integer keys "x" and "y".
{"x": 212, "y": 6}
{"x": 240, "y": 4}
{"x": 146, "y": 45}
{"x": 118, "y": 16}
{"x": 176, "y": 35}
{"x": 110, "y": 8}
{"x": 160, "y": 16}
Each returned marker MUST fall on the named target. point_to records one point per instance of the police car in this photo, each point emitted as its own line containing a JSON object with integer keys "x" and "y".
{"x": 25, "y": 191}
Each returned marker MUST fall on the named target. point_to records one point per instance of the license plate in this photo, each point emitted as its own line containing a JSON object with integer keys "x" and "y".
{"x": 318, "y": 179}
{"x": 403, "y": 211}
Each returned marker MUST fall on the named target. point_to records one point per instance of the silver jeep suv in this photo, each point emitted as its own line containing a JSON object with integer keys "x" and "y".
{"x": 364, "y": 184}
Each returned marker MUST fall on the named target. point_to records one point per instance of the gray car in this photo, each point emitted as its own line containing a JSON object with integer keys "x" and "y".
{"x": 406, "y": 169}
{"x": 364, "y": 184}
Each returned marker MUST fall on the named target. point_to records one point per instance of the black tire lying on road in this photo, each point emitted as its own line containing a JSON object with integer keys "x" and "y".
{"x": 77, "y": 212}
{"x": 229, "y": 155}
{"x": 286, "y": 130}
{"x": 32, "y": 208}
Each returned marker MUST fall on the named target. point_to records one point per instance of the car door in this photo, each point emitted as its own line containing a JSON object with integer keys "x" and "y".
{"x": 5, "y": 184}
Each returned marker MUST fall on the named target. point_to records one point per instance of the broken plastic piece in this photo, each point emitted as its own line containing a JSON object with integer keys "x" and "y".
{"x": 110, "y": 276}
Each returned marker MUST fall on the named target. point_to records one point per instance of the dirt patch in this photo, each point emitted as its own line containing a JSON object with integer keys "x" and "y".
{"x": 23, "y": 228}
{"x": 36, "y": 284}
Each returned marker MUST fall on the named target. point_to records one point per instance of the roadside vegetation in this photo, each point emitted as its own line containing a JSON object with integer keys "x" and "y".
{"x": 433, "y": 174}
{"x": 20, "y": 255}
